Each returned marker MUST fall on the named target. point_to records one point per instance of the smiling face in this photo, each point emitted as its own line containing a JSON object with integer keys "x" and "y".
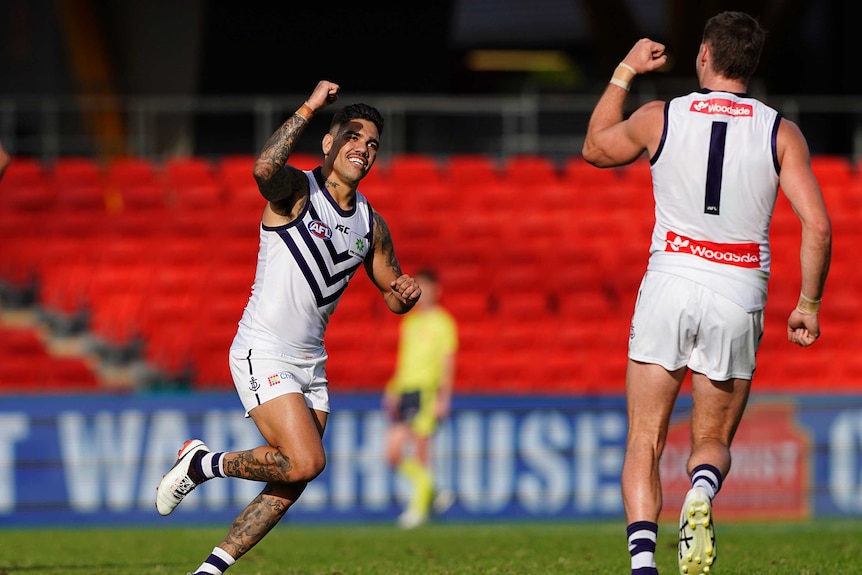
{"x": 351, "y": 150}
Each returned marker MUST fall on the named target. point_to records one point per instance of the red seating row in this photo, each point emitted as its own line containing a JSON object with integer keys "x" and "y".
{"x": 182, "y": 175}
{"x": 26, "y": 365}
{"x": 473, "y": 183}
{"x": 541, "y": 277}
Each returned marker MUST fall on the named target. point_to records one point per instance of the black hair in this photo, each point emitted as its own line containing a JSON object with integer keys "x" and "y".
{"x": 358, "y": 111}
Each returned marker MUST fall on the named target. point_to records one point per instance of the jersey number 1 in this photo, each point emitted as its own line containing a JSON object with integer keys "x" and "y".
{"x": 714, "y": 165}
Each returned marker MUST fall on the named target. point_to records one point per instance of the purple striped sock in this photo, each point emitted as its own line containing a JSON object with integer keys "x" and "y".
{"x": 708, "y": 477}
{"x": 210, "y": 465}
{"x": 642, "y": 539}
{"x": 216, "y": 564}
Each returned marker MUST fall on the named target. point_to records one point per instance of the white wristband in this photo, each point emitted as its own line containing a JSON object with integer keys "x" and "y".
{"x": 623, "y": 76}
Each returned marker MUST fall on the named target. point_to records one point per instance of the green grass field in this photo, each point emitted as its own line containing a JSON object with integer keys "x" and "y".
{"x": 816, "y": 548}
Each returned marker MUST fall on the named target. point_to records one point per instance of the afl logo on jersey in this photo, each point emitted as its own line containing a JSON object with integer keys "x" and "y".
{"x": 320, "y": 229}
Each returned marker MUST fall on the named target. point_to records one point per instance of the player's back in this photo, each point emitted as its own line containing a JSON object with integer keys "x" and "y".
{"x": 715, "y": 181}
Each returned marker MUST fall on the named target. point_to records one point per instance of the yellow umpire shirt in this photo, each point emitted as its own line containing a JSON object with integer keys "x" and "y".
{"x": 426, "y": 338}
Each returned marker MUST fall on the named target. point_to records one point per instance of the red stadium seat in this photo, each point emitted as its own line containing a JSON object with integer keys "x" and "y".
{"x": 638, "y": 174}
{"x": 68, "y": 374}
{"x": 179, "y": 170}
{"x": 21, "y": 341}
{"x": 347, "y": 371}
{"x": 525, "y": 168}
{"x": 307, "y": 160}
{"x": 243, "y": 194}
{"x": 431, "y": 198}
{"x": 131, "y": 170}
{"x": 384, "y": 339}
{"x": 841, "y": 198}
{"x": 30, "y": 197}
{"x": 26, "y": 365}
{"x": 116, "y": 295}
{"x": 509, "y": 373}
{"x": 580, "y": 175}
{"x": 23, "y": 171}
{"x": 832, "y": 169}
{"x": 197, "y": 195}
{"x": 516, "y": 279}
{"x": 169, "y": 350}
{"x": 211, "y": 369}
{"x": 523, "y": 306}
{"x": 356, "y": 303}
{"x": 20, "y": 249}
{"x": 236, "y": 169}
{"x": 461, "y": 169}
{"x": 17, "y": 375}
{"x": 467, "y": 305}
{"x": 210, "y": 346}
{"x": 83, "y": 196}
{"x": 76, "y": 170}
{"x": 64, "y": 287}
{"x": 115, "y": 321}
{"x": 411, "y": 169}
{"x": 142, "y": 195}
{"x": 471, "y": 377}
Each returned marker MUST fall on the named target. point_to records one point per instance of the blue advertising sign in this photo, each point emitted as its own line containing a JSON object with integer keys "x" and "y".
{"x": 97, "y": 459}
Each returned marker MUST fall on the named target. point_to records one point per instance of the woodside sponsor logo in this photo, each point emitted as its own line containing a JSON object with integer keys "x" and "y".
{"x": 722, "y": 106}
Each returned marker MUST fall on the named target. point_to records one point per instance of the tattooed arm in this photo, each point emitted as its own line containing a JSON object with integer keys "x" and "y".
{"x": 400, "y": 291}
{"x": 278, "y": 182}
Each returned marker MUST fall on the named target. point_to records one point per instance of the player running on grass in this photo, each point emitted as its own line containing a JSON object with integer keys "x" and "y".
{"x": 316, "y": 231}
{"x": 718, "y": 158}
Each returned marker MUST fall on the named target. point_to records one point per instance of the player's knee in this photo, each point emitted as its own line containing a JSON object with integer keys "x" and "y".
{"x": 307, "y": 468}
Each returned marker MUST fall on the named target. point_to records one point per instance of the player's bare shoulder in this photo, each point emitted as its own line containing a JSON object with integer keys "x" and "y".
{"x": 646, "y": 124}
{"x": 791, "y": 143}
{"x": 286, "y": 190}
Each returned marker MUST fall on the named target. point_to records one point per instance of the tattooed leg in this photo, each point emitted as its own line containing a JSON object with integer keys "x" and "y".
{"x": 259, "y": 517}
{"x": 260, "y": 464}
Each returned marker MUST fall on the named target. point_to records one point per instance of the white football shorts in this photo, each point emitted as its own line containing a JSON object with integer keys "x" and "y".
{"x": 678, "y": 322}
{"x": 260, "y": 376}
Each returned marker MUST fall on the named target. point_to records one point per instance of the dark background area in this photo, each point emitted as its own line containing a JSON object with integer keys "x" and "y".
{"x": 206, "y": 48}
{"x": 230, "y": 47}
{"x": 421, "y": 47}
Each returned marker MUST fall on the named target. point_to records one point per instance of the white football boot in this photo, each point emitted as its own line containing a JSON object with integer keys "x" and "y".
{"x": 696, "y": 534}
{"x": 176, "y": 483}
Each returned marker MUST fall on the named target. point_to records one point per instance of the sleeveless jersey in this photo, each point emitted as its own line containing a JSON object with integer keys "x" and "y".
{"x": 302, "y": 270}
{"x": 715, "y": 183}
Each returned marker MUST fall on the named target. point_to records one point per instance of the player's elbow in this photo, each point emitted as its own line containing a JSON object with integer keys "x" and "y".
{"x": 817, "y": 233}
{"x": 263, "y": 173}
{"x": 398, "y": 306}
{"x": 822, "y": 230}
{"x": 594, "y": 154}
{"x": 817, "y": 223}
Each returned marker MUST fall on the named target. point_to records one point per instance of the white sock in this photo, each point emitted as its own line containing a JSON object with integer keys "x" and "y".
{"x": 212, "y": 465}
